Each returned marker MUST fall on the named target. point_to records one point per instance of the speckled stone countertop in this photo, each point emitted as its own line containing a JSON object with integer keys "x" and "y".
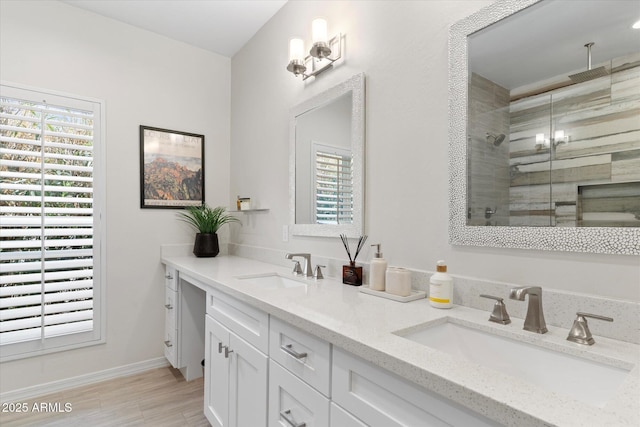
{"x": 365, "y": 324}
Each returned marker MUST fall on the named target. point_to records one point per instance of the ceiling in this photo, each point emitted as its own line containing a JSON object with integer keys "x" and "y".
{"x": 220, "y": 26}
{"x": 547, "y": 40}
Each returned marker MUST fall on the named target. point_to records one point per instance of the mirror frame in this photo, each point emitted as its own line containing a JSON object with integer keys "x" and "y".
{"x": 356, "y": 86}
{"x": 604, "y": 240}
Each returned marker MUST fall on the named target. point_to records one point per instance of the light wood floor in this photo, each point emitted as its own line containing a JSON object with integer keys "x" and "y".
{"x": 160, "y": 397}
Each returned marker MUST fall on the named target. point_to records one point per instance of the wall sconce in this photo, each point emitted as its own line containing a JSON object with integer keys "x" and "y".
{"x": 541, "y": 142}
{"x": 560, "y": 137}
{"x": 323, "y": 53}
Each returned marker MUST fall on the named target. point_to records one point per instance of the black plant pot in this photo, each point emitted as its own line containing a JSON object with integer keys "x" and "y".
{"x": 206, "y": 245}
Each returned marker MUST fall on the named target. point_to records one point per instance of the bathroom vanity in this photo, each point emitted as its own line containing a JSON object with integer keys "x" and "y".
{"x": 282, "y": 350}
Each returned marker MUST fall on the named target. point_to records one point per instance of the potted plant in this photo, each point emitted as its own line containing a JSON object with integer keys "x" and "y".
{"x": 206, "y": 221}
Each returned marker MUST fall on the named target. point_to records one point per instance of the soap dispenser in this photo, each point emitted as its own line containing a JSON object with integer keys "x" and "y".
{"x": 378, "y": 271}
{"x": 441, "y": 287}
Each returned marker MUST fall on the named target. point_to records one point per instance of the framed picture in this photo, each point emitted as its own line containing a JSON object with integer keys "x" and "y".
{"x": 171, "y": 168}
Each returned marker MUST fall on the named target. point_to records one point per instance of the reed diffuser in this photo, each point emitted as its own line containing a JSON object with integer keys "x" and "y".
{"x": 352, "y": 275}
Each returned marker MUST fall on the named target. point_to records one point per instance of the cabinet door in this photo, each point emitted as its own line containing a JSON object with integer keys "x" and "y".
{"x": 294, "y": 403}
{"x": 216, "y": 374}
{"x": 247, "y": 384}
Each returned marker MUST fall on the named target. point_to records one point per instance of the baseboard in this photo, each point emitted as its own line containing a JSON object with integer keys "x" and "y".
{"x": 81, "y": 380}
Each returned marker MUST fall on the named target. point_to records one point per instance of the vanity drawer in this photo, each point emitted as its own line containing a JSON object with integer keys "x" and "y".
{"x": 247, "y": 322}
{"x": 171, "y": 278}
{"x": 171, "y": 308}
{"x": 382, "y": 399}
{"x": 341, "y": 418}
{"x": 292, "y": 402}
{"x": 304, "y": 355}
{"x": 170, "y": 348}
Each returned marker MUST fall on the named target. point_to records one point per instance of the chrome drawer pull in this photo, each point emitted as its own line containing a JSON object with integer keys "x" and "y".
{"x": 285, "y": 415}
{"x": 168, "y": 344}
{"x": 168, "y": 276}
{"x": 168, "y": 306}
{"x": 290, "y": 351}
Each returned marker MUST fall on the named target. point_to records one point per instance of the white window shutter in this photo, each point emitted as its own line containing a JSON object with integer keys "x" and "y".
{"x": 48, "y": 246}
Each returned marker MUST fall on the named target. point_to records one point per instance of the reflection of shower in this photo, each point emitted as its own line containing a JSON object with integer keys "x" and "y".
{"x": 590, "y": 74}
{"x": 495, "y": 140}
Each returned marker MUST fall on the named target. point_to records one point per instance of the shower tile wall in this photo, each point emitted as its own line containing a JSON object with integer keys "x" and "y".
{"x": 602, "y": 119}
{"x": 488, "y": 166}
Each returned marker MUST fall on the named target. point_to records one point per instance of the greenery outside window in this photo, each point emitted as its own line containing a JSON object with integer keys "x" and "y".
{"x": 51, "y": 222}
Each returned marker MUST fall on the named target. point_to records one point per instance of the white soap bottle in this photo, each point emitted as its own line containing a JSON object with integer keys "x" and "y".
{"x": 441, "y": 287}
{"x": 378, "y": 271}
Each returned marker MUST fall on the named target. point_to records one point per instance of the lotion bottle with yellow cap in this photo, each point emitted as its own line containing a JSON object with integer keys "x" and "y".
{"x": 441, "y": 287}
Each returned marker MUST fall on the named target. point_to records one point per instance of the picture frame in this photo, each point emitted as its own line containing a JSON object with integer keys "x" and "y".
{"x": 171, "y": 168}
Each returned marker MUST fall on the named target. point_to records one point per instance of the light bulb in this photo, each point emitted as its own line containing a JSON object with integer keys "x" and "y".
{"x": 296, "y": 50}
{"x": 319, "y": 30}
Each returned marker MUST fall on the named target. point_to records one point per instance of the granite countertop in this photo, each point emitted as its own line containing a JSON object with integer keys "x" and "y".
{"x": 363, "y": 324}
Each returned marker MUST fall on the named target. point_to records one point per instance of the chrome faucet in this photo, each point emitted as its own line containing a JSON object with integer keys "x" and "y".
{"x": 307, "y": 270}
{"x": 534, "y": 321}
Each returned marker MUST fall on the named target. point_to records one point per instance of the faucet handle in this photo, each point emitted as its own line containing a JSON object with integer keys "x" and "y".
{"x": 297, "y": 270}
{"x": 499, "y": 313}
{"x": 580, "y": 332}
{"x": 317, "y": 273}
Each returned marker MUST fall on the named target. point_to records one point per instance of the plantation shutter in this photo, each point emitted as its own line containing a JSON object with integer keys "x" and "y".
{"x": 333, "y": 185}
{"x": 49, "y": 250}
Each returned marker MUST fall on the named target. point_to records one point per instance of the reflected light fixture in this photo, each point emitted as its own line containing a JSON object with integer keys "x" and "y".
{"x": 323, "y": 53}
{"x": 636, "y": 25}
{"x": 541, "y": 141}
{"x": 560, "y": 137}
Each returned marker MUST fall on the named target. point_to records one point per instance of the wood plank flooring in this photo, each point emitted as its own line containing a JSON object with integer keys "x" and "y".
{"x": 160, "y": 397}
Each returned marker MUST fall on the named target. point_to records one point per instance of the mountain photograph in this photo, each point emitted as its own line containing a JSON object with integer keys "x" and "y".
{"x": 166, "y": 181}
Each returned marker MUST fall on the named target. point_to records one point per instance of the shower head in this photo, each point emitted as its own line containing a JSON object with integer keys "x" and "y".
{"x": 590, "y": 74}
{"x": 495, "y": 140}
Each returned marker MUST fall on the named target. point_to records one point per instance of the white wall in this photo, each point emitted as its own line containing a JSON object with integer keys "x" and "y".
{"x": 401, "y": 46}
{"x": 143, "y": 79}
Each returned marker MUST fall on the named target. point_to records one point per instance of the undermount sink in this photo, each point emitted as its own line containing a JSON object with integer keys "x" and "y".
{"x": 272, "y": 281}
{"x": 585, "y": 380}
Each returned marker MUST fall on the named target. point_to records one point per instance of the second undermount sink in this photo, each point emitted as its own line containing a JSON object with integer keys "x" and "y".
{"x": 272, "y": 281}
{"x": 585, "y": 380}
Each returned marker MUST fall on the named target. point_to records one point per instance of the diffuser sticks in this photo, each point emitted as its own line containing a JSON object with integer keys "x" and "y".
{"x": 352, "y": 275}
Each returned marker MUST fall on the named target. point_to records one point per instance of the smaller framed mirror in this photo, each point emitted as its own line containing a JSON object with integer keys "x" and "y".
{"x": 326, "y": 162}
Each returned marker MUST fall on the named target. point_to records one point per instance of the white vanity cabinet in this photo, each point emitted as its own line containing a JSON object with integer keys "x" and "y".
{"x": 171, "y": 308}
{"x": 299, "y": 377}
{"x": 236, "y": 363}
{"x": 381, "y": 399}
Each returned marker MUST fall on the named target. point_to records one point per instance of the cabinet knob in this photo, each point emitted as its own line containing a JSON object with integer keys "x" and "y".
{"x": 169, "y": 277}
{"x": 168, "y": 306}
{"x": 290, "y": 351}
{"x": 168, "y": 343}
{"x": 286, "y": 415}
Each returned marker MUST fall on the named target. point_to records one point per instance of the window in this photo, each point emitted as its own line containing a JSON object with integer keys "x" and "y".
{"x": 50, "y": 222}
{"x": 333, "y": 185}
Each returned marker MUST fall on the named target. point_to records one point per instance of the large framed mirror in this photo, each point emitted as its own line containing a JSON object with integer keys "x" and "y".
{"x": 326, "y": 162}
{"x": 544, "y": 126}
